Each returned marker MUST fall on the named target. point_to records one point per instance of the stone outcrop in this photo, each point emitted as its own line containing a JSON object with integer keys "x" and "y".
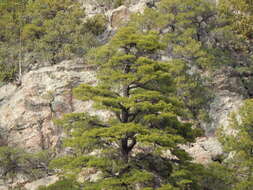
{"x": 41, "y": 182}
{"x": 26, "y": 112}
{"x": 228, "y": 97}
{"x": 119, "y": 16}
{"x": 229, "y": 94}
{"x": 205, "y": 150}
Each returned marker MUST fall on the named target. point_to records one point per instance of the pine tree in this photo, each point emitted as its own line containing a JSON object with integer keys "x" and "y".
{"x": 11, "y": 22}
{"x": 186, "y": 28}
{"x": 130, "y": 146}
{"x": 240, "y": 14}
{"x": 44, "y": 31}
{"x": 55, "y": 30}
{"x": 239, "y": 146}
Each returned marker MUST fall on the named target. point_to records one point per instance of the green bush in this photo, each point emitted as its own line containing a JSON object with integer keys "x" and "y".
{"x": 7, "y": 72}
{"x": 15, "y": 160}
{"x": 96, "y": 25}
{"x": 63, "y": 184}
{"x": 51, "y": 30}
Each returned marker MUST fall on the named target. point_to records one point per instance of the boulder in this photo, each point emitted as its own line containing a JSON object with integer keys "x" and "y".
{"x": 119, "y": 16}
{"x": 204, "y": 150}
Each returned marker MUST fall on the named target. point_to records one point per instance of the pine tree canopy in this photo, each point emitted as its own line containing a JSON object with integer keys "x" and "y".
{"x": 138, "y": 91}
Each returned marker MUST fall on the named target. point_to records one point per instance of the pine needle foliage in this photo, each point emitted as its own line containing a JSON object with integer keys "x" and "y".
{"x": 131, "y": 146}
{"x": 239, "y": 145}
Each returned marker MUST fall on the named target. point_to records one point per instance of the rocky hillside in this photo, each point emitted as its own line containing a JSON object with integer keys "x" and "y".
{"x": 45, "y": 92}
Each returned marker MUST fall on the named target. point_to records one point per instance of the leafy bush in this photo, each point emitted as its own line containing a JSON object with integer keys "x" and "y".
{"x": 54, "y": 29}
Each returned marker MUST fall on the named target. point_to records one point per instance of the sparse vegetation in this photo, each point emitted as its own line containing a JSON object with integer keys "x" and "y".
{"x": 16, "y": 160}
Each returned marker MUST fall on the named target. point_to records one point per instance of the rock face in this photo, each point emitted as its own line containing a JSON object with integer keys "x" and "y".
{"x": 41, "y": 182}
{"x": 26, "y": 112}
{"x": 119, "y": 16}
{"x": 228, "y": 97}
{"x": 205, "y": 150}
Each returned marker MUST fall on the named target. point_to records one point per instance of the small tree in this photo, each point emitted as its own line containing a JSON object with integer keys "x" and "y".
{"x": 44, "y": 30}
{"x": 240, "y": 147}
{"x": 240, "y": 14}
{"x": 54, "y": 29}
{"x": 131, "y": 144}
{"x": 15, "y": 161}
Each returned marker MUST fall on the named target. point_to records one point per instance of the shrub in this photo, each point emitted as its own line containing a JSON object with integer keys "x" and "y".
{"x": 63, "y": 184}
{"x": 15, "y": 160}
{"x": 96, "y": 25}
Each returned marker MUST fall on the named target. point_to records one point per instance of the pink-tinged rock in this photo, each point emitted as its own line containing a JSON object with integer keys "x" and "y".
{"x": 26, "y": 112}
{"x": 119, "y": 16}
{"x": 41, "y": 182}
{"x": 204, "y": 150}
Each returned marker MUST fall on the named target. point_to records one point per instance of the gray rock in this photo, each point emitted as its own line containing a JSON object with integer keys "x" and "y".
{"x": 204, "y": 150}
{"x": 119, "y": 16}
{"x": 229, "y": 95}
{"x": 41, "y": 182}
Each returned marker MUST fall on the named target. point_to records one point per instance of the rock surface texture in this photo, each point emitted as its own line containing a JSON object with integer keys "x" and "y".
{"x": 35, "y": 184}
{"x": 228, "y": 97}
{"x": 26, "y": 112}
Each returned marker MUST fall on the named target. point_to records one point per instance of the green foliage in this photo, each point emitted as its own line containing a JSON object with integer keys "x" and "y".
{"x": 240, "y": 14}
{"x": 237, "y": 19}
{"x": 144, "y": 95}
{"x": 14, "y": 160}
{"x": 139, "y": 91}
{"x": 182, "y": 25}
{"x": 10, "y": 14}
{"x": 54, "y": 29}
{"x": 50, "y": 30}
{"x": 185, "y": 27}
{"x": 202, "y": 33}
{"x": 7, "y": 72}
{"x": 96, "y": 24}
{"x": 239, "y": 145}
{"x": 218, "y": 176}
{"x": 63, "y": 184}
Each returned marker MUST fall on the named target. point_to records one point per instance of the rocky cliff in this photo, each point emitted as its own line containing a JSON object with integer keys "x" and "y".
{"x": 45, "y": 93}
{"x": 26, "y": 111}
